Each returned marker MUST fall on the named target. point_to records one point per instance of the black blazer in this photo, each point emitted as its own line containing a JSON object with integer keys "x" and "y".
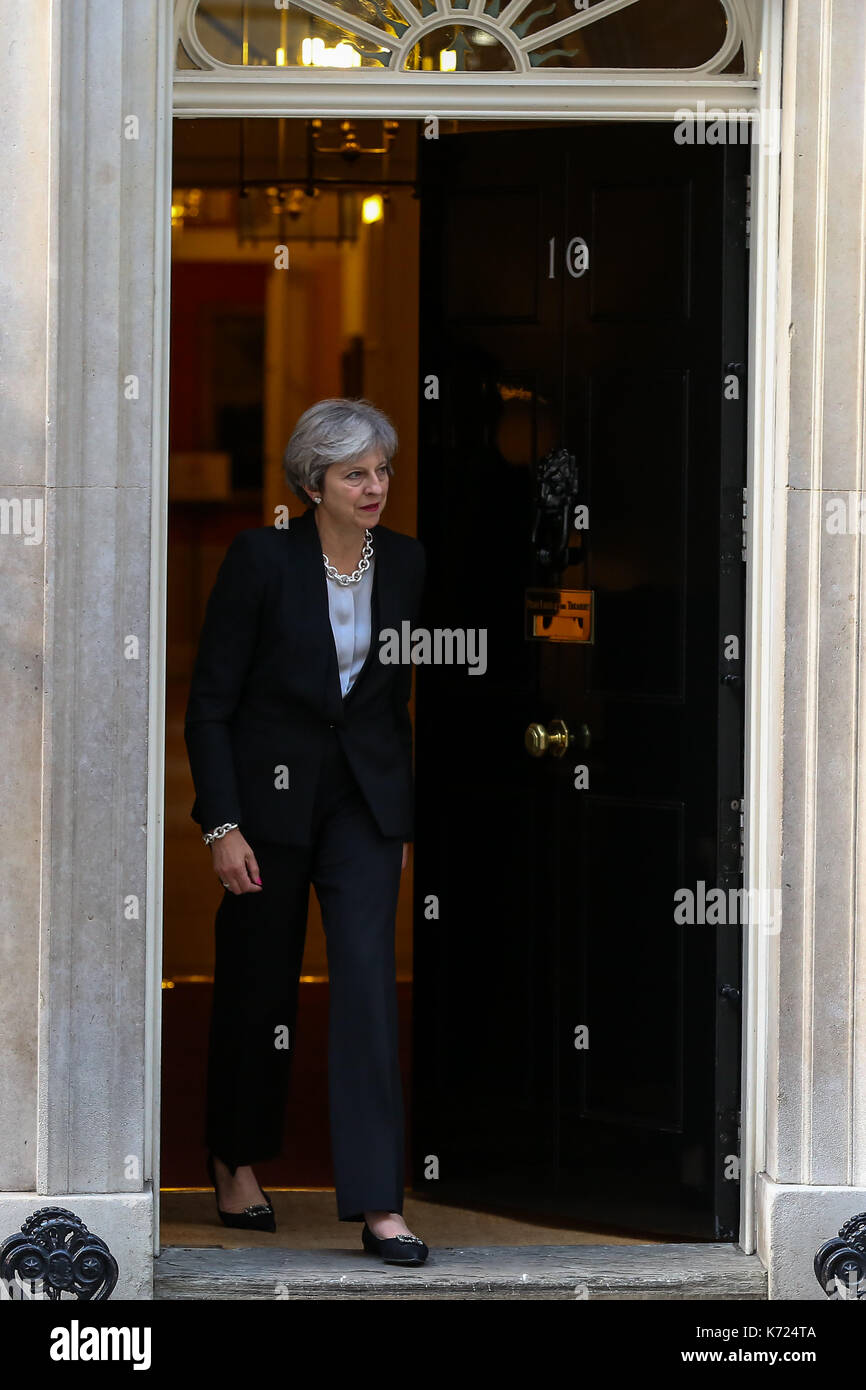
{"x": 265, "y": 688}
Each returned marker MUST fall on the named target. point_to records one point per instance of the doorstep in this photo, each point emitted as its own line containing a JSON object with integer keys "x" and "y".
{"x": 561, "y": 1272}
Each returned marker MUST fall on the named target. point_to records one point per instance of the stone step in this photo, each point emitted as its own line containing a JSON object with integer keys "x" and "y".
{"x": 707, "y": 1271}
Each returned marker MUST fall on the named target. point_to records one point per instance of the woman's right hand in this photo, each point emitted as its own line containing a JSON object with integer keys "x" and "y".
{"x": 235, "y": 864}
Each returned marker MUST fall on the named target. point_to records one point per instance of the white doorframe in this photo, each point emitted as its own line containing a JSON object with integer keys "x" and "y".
{"x": 764, "y": 613}
{"x": 158, "y": 632}
{"x": 555, "y": 95}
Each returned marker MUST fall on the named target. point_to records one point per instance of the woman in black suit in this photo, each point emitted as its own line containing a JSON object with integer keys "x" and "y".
{"x": 300, "y": 747}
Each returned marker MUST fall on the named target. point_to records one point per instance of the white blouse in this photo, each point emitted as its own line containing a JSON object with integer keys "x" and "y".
{"x": 351, "y": 619}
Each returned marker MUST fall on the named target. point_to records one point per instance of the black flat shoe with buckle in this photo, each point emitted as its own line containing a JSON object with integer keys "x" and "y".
{"x": 258, "y": 1217}
{"x": 395, "y": 1250}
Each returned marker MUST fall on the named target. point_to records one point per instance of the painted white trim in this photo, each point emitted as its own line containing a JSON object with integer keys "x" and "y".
{"x": 54, "y": 115}
{"x": 554, "y": 94}
{"x": 764, "y": 641}
{"x": 158, "y": 607}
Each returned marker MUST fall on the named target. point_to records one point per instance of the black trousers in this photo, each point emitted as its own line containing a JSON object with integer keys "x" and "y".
{"x": 259, "y": 951}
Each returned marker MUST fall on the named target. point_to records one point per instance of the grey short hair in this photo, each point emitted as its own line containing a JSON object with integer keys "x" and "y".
{"x": 335, "y": 431}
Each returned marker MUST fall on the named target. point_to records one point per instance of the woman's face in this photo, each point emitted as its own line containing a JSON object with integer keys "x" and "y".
{"x": 355, "y": 493}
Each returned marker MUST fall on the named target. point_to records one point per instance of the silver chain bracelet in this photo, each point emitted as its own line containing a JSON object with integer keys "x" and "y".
{"x": 219, "y": 832}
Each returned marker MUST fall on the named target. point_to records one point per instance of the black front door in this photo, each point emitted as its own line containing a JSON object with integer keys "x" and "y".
{"x": 579, "y": 769}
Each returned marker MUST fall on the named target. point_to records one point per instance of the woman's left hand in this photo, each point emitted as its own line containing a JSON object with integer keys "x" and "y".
{"x": 405, "y": 855}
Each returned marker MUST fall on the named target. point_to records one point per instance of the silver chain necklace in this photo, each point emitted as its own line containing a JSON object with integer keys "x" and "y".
{"x": 353, "y": 578}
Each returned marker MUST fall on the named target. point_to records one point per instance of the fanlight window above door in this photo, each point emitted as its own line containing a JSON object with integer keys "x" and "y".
{"x": 682, "y": 36}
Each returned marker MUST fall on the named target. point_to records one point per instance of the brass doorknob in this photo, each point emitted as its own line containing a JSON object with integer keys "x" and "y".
{"x": 554, "y": 740}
